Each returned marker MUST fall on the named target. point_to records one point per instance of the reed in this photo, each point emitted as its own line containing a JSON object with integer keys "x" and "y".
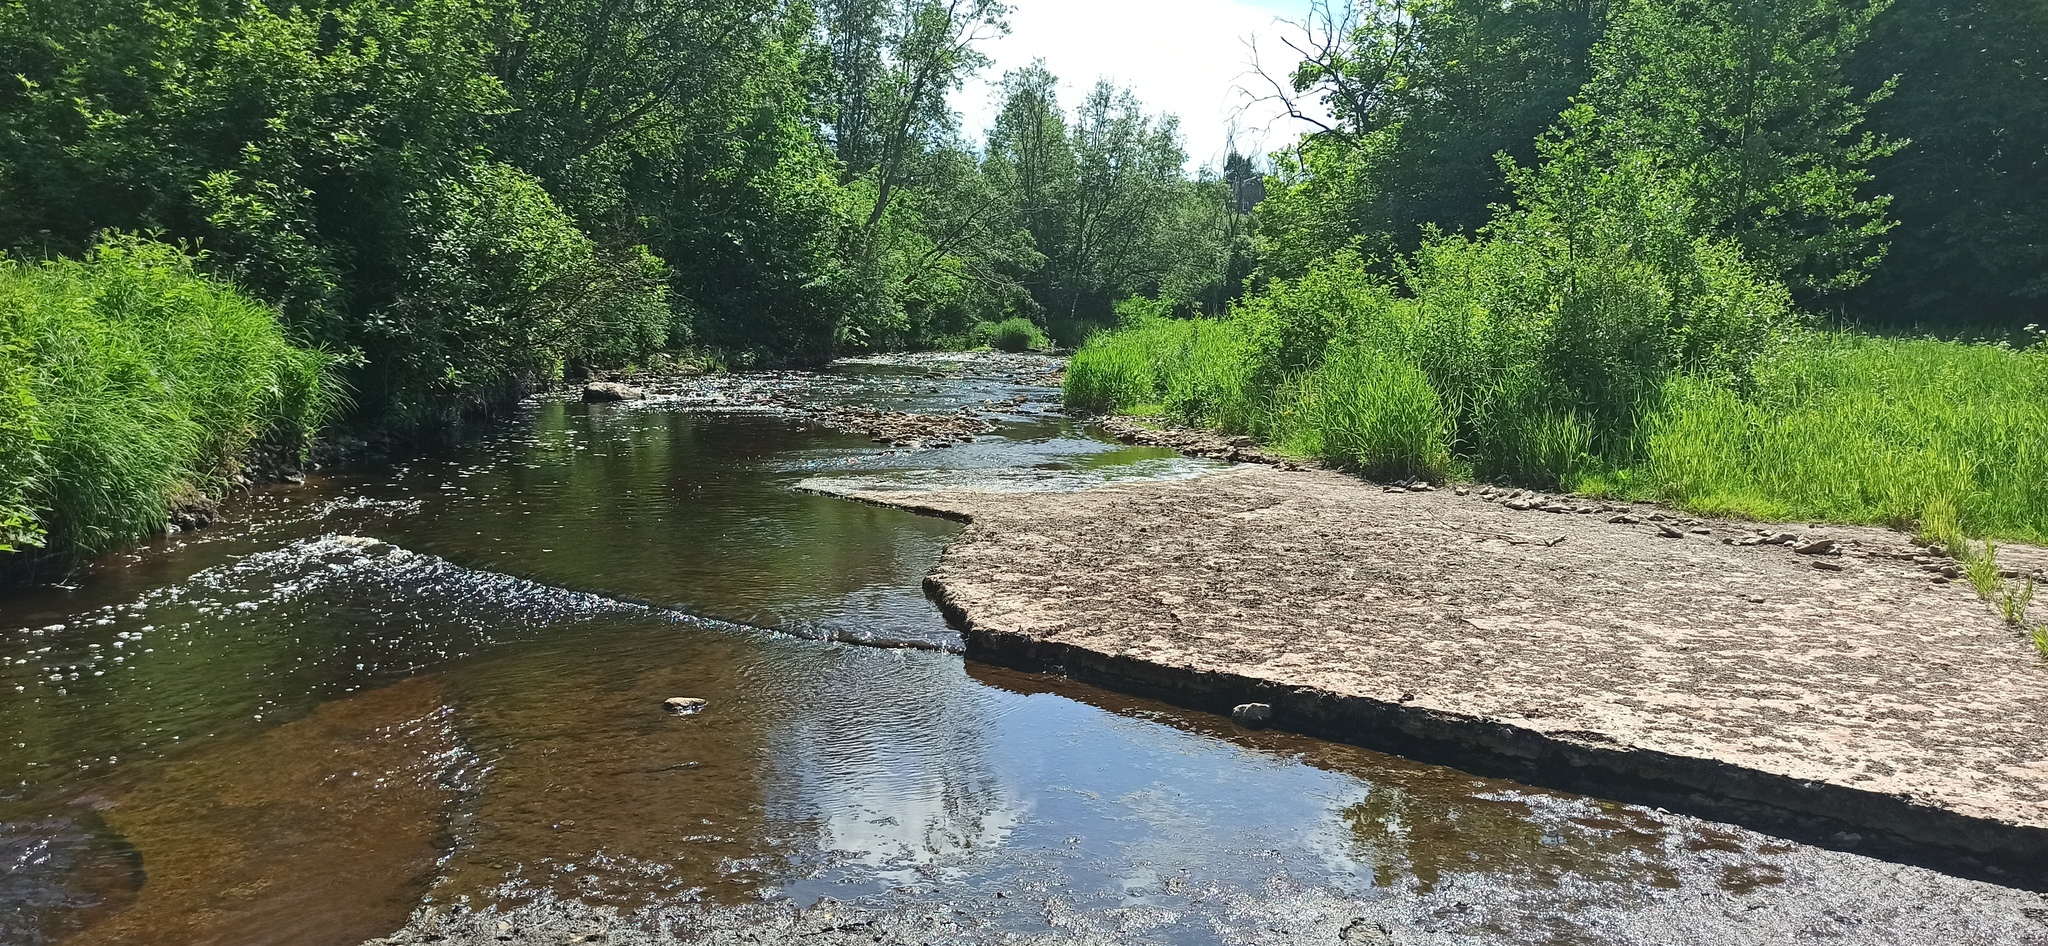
{"x": 129, "y": 381}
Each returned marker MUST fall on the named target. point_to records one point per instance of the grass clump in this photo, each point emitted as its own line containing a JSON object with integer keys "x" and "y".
{"x": 1982, "y": 570}
{"x": 2015, "y": 601}
{"x": 1944, "y": 437}
{"x": 1361, "y": 410}
{"x": 1013, "y": 335}
{"x": 1192, "y": 370}
{"x": 128, "y": 379}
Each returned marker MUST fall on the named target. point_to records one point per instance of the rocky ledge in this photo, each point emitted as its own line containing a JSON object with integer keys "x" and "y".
{"x": 1826, "y": 683}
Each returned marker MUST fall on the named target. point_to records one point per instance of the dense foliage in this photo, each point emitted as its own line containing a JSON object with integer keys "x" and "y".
{"x": 1971, "y": 189}
{"x": 463, "y": 194}
{"x": 1515, "y": 238}
{"x": 1620, "y": 303}
{"x": 132, "y": 382}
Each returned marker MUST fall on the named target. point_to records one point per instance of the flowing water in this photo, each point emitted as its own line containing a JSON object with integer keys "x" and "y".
{"x": 442, "y": 686}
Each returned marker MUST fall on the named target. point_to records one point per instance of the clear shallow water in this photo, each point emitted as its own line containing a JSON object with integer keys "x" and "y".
{"x": 443, "y": 685}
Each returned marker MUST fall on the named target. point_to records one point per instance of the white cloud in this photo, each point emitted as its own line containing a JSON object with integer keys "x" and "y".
{"x": 1185, "y": 57}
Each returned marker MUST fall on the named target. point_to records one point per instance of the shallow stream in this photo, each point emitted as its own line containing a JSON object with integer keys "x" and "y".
{"x": 441, "y": 686}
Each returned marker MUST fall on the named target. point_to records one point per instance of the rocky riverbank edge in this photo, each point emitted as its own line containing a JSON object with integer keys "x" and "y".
{"x": 1835, "y": 685}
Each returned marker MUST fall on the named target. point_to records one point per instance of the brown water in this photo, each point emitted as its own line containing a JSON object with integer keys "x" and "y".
{"x": 441, "y": 685}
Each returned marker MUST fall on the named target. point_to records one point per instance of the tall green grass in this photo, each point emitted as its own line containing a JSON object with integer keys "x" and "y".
{"x": 1364, "y": 411}
{"x": 1016, "y": 334}
{"x": 1198, "y": 371}
{"x": 1939, "y": 436}
{"x": 129, "y": 381}
{"x": 1944, "y": 438}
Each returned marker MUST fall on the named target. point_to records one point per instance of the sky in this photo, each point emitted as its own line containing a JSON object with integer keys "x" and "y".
{"x": 1186, "y": 57}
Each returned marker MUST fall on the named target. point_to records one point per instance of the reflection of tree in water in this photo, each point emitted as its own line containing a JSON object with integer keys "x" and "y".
{"x": 1427, "y": 827}
{"x": 679, "y": 508}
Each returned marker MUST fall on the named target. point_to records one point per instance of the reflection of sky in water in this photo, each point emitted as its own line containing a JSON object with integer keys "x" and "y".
{"x": 891, "y": 762}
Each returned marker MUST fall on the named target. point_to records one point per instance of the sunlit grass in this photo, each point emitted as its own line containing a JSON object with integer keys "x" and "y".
{"x": 1194, "y": 371}
{"x": 130, "y": 380}
{"x": 1363, "y": 411}
{"x": 1945, "y": 438}
{"x": 1948, "y": 440}
{"x": 1010, "y": 335}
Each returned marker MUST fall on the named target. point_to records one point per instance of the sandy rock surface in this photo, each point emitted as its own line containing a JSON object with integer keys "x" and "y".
{"x": 1832, "y": 657}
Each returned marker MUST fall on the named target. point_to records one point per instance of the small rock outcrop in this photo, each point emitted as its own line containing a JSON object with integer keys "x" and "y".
{"x": 605, "y": 392}
{"x": 684, "y": 705}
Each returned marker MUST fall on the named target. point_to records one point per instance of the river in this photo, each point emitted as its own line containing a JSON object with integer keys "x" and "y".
{"x": 439, "y": 687}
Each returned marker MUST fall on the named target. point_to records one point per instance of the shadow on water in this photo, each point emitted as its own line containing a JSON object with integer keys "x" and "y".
{"x": 282, "y": 733}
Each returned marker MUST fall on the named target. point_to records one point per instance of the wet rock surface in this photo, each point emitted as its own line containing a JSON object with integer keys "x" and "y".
{"x": 1558, "y": 631}
{"x": 815, "y": 397}
{"x": 1195, "y": 442}
{"x": 905, "y": 429}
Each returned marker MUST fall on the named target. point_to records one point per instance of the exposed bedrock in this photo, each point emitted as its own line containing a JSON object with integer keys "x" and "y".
{"x": 1847, "y": 697}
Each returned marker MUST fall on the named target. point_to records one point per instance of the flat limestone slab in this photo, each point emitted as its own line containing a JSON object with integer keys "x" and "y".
{"x": 1855, "y": 692}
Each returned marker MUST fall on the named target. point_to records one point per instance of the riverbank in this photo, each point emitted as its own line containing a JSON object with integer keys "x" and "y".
{"x": 1831, "y": 683}
{"x": 135, "y": 391}
{"x": 438, "y": 682}
{"x": 1938, "y": 437}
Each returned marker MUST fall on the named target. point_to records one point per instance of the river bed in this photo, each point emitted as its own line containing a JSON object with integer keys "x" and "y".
{"x": 437, "y": 690}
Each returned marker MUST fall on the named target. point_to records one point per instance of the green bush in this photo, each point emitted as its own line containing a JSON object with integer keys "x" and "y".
{"x": 1530, "y": 352}
{"x": 19, "y": 435}
{"x": 1197, "y": 371}
{"x": 500, "y": 284}
{"x": 1012, "y": 335}
{"x": 131, "y": 380}
{"x": 1362, "y": 410}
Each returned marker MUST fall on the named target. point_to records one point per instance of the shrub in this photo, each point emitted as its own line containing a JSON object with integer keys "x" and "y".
{"x": 19, "y": 433}
{"x": 500, "y": 285}
{"x": 1113, "y": 371}
{"x": 1012, "y": 335}
{"x": 1197, "y": 371}
{"x": 130, "y": 380}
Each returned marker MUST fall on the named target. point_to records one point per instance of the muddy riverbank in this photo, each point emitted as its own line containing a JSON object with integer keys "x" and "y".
{"x": 1820, "y": 681}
